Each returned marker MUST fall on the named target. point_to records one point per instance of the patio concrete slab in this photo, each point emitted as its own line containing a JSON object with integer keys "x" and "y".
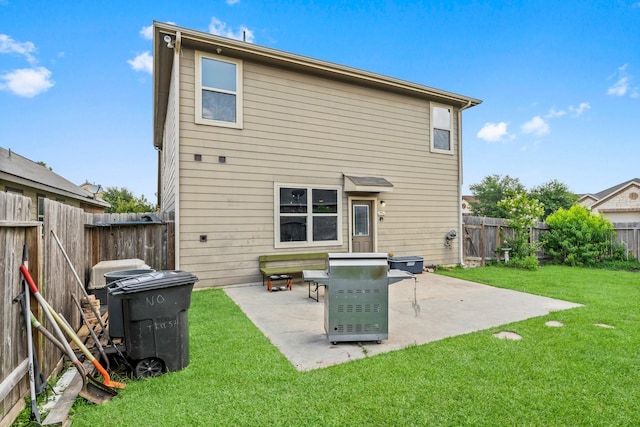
{"x": 428, "y": 309}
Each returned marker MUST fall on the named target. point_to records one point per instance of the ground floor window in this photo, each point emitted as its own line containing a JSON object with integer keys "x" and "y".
{"x": 307, "y": 216}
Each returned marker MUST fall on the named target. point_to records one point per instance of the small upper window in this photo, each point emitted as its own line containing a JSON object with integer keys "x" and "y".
{"x": 441, "y": 129}
{"x": 218, "y": 91}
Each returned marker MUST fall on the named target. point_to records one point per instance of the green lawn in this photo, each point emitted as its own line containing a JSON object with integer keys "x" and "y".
{"x": 577, "y": 375}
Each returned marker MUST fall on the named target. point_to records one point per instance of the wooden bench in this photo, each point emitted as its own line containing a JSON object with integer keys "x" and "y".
{"x": 281, "y": 266}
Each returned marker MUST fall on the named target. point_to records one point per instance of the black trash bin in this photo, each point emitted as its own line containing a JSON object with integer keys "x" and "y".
{"x": 114, "y": 305}
{"x": 156, "y": 328}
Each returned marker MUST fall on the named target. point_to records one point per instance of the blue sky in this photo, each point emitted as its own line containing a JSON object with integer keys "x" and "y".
{"x": 560, "y": 80}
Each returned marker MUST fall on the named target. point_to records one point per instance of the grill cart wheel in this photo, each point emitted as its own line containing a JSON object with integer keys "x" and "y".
{"x": 147, "y": 368}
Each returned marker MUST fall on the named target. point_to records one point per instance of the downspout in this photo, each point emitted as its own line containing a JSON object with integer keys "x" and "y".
{"x": 460, "y": 179}
{"x": 176, "y": 101}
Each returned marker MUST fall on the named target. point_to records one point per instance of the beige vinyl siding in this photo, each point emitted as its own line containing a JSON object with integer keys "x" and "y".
{"x": 170, "y": 140}
{"x": 301, "y": 129}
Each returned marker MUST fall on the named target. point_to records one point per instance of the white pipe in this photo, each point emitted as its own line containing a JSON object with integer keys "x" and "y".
{"x": 460, "y": 179}
{"x": 176, "y": 100}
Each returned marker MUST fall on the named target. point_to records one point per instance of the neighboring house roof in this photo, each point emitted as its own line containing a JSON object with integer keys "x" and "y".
{"x": 470, "y": 199}
{"x": 163, "y": 61}
{"x": 619, "y": 199}
{"x": 20, "y": 170}
{"x": 466, "y": 204}
{"x": 605, "y": 194}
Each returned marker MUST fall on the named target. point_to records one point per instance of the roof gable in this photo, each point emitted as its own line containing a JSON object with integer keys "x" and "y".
{"x": 611, "y": 194}
{"x": 615, "y": 188}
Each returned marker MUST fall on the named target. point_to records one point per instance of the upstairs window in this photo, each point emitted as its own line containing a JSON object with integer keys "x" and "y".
{"x": 441, "y": 129}
{"x": 307, "y": 216}
{"x": 218, "y": 91}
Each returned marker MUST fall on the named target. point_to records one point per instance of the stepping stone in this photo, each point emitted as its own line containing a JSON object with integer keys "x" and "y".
{"x": 506, "y": 335}
{"x": 554, "y": 324}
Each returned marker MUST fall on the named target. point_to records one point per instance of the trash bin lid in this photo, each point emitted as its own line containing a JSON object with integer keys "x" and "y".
{"x": 153, "y": 280}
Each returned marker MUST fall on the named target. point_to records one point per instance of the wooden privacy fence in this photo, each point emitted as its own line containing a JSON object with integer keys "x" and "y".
{"x": 130, "y": 235}
{"x": 86, "y": 239}
{"x": 16, "y": 231}
{"x": 628, "y": 233}
{"x": 483, "y": 236}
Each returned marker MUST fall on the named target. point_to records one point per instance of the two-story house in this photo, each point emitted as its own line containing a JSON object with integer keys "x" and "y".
{"x": 263, "y": 152}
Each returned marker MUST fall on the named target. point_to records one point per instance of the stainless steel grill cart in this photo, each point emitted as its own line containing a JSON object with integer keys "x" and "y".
{"x": 356, "y": 300}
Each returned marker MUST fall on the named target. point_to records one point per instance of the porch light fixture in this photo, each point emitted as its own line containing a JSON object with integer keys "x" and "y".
{"x": 382, "y": 203}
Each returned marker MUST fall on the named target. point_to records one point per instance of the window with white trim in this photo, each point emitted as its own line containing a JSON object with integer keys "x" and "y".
{"x": 218, "y": 91}
{"x": 307, "y": 216}
{"x": 441, "y": 129}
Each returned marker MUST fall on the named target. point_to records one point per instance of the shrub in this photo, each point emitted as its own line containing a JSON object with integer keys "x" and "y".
{"x": 577, "y": 237}
{"x": 526, "y": 263}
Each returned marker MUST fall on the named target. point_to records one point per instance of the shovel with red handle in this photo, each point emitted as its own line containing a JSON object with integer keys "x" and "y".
{"x": 56, "y": 320}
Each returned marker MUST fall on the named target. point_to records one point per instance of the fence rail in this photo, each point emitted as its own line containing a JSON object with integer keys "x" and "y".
{"x": 85, "y": 239}
{"x": 483, "y": 237}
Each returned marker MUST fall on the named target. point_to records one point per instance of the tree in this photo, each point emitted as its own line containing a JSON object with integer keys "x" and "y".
{"x": 523, "y": 212}
{"x": 122, "y": 200}
{"x": 490, "y": 191}
{"x": 45, "y": 165}
{"x": 553, "y": 195}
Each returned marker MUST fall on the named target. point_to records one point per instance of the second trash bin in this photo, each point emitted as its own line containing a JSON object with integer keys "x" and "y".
{"x": 156, "y": 328}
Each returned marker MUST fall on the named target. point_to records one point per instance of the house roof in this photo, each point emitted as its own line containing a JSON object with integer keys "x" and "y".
{"x": 184, "y": 37}
{"x": 610, "y": 191}
{"x": 20, "y": 170}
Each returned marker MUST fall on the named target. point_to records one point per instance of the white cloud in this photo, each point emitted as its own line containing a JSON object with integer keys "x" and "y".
{"x": 623, "y": 85}
{"x": 537, "y": 126}
{"x": 143, "y": 62}
{"x": 493, "y": 132}
{"x": 553, "y": 113}
{"x": 27, "y": 82}
{"x": 9, "y": 45}
{"x": 147, "y": 32}
{"x": 620, "y": 87}
{"x": 577, "y": 111}
{"x": 232, "y": 2}
{"x": 220, "y": 28}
